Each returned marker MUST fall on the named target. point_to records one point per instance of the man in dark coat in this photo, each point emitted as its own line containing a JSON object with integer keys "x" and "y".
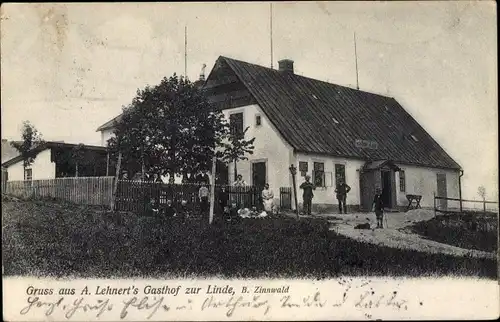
{"x": 342, "y": 190}
{"x": 308, "y": 195}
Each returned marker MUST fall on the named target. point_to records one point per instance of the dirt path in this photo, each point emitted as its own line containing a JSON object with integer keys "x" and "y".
{"x": 392, "y": 235}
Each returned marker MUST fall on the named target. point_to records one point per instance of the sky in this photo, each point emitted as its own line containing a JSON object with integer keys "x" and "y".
{"x": 68, "y": 68}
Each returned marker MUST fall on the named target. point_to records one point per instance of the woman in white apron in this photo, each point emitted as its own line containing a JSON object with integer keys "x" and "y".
{"x": 268, "y": 199}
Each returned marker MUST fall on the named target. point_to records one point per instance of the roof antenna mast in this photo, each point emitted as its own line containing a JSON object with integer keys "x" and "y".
{"x": 185, "y": 50}
{"x": 271, "y": 33}
{"x": 356, "y": 57}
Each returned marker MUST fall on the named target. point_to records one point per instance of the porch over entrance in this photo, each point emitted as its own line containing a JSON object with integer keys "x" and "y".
{"x": 381, "y": 174}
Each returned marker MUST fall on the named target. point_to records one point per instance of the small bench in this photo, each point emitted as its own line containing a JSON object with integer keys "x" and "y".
{"x": 411, "y": 199}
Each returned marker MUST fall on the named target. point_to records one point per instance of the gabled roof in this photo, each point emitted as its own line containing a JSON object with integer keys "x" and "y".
{"x": 49, "y": 145}
{"x": 319, "y": 117}
{"x": 8, "y": 151}
{"x": 110, "y": 124}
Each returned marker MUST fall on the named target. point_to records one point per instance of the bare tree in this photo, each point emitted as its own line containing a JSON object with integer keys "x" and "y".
{"x": 27, "y": 147}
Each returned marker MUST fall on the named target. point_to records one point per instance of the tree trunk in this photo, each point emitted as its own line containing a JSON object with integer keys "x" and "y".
{"x": 76, "y": 170}
{"x": 212, "y": 193}
{"x": 143, "y": 170}
{"x": 115, "y": 185}
{"x": 107, "y": 164}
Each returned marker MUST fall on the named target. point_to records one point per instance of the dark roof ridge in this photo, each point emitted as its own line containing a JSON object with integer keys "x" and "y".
{"x": 310, "y": 78}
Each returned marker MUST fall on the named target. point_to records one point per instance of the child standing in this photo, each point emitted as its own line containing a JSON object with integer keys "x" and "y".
{"x": 378, "y": 207}
{"x": 169, "y": 210}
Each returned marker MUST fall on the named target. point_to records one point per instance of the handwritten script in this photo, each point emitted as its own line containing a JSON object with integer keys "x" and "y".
{"x": 358, "y": 297}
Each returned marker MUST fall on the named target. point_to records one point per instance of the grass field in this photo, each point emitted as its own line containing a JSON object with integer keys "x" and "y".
{"x": 470, "y": 231}
{"x": 45, "y": 238}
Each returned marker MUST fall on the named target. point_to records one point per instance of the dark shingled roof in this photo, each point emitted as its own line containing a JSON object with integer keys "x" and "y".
{"x": 324, "y": 118}
{"x": 49, "y": 145}
{"x": 319, "y": 117}
{"x": 8, "y": 151}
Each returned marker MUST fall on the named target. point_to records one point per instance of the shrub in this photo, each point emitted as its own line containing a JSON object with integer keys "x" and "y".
{"x": 53, "y": 239}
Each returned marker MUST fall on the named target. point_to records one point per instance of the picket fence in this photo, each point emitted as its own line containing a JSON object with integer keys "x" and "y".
{"x": 136, "y": 195}
{"x": 82, "y": 190}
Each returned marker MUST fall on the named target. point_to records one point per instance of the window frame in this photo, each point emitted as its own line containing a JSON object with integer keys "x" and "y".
{"x": 336, "y": 164}
{"x": 30, "y": 174}
{"x": 402, "y": 181}
{"x": 258, "y": 120}
{"x": 231, "y": 126}
{"x": 306, "y": 168}
{"x": 321, "y": 172}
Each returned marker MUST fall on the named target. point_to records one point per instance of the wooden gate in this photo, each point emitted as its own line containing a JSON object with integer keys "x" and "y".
{"x": 285, "y": 198}
{"x": 441, "y": 190}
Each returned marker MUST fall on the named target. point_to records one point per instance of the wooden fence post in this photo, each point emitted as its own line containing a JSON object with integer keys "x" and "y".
{"x": 107, "y": 164}
{"x": 434, "y": 193}
{"x": 115, "y": 186}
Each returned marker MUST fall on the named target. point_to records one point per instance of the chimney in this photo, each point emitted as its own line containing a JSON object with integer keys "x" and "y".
{"x": 202, "y": 73}
{"x": 286, "y": 65}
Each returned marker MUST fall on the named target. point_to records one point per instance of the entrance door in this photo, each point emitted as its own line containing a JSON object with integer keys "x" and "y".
{"x": 259, "y": 174}
{"x": 387, "y": 189}
{"x": 222, "y": 173}
{"x": 441, "y": 190}
{"x": 367, "y": 189}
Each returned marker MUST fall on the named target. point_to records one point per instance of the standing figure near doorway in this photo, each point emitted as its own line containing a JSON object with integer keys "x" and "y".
{"x": 378, "y": 207}
{"x": 308, "y": 195}
{"x": 239, "y": 181}
{"x": 342, "y": 190}
{"x": 268, "y": 199}
{"x": 204, "y": 194}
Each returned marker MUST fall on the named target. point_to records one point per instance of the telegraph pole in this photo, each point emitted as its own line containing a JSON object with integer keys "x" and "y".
{"x": 271, "y": 31}
{"x": 356, "y": 57}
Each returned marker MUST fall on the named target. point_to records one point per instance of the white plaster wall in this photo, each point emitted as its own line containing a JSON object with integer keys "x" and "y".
{"x": 269, "y": 147}
{"x": 326, "y": 195}
{"x": 42, "y": 168}
{"x": 423, "y": 181}
{"x": 105, "y": 136}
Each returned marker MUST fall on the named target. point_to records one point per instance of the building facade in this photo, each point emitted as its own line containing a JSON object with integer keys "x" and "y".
{"x": 55, "y": 160}
{"x": 328, "y": 132}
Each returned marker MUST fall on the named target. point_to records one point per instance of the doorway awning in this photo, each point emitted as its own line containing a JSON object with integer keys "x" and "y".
{"x": 375, "y": 165}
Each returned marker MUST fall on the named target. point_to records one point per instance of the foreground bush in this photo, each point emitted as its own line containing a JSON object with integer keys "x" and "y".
{"x": 470, "y": 231}
{"x": 60, "y": 240}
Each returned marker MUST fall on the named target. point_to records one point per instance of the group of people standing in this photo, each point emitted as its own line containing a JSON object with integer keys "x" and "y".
{"x": 223, "y": 198}
{"x": 341, "y": 191}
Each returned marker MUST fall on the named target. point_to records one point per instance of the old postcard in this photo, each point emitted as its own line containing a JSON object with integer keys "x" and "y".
{"x": 249, "y": 161}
